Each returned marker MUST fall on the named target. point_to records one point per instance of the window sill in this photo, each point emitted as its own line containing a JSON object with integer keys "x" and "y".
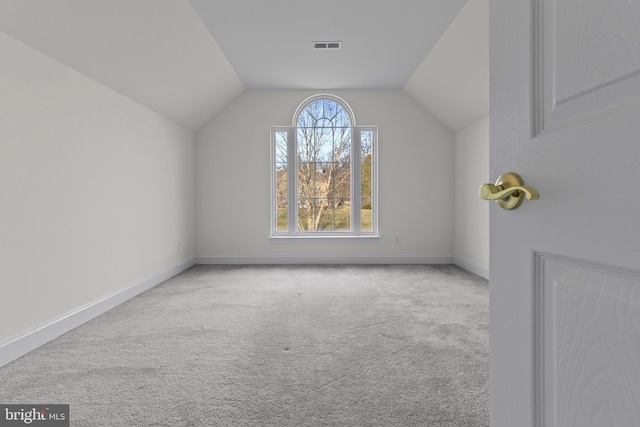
{"x": 366, "y": 238}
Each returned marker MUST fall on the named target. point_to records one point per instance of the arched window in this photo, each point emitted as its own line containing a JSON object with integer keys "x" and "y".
{"x": 323, "y": 172}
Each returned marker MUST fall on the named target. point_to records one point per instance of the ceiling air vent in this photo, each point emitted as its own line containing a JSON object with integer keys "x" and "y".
{"x": 327, "y": 45}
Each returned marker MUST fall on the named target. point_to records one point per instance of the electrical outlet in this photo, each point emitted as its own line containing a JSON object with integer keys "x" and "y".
{"x": 397, "y": 240}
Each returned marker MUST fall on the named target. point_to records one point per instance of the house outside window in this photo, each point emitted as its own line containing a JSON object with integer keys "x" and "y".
{"x": 324, "y": 173}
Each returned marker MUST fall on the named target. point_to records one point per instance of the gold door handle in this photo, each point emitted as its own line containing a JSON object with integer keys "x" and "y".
{"x": 508, "y": 191}
{"x": 494, "y": 192}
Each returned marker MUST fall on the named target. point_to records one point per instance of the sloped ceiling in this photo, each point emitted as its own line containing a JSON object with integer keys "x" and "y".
{"x": 156, "y": 52}
{"x": 187, "y": 60}
{"x": 453, "y": 80}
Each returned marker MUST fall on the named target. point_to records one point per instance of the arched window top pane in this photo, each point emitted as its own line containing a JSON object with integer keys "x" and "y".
{"x": 324, "y": 111}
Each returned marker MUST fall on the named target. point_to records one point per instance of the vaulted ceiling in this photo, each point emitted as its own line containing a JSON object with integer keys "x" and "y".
{"x": 187, "y": 60}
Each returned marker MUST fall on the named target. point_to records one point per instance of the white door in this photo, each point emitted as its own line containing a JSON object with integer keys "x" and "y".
{"x": 565, "y": 269}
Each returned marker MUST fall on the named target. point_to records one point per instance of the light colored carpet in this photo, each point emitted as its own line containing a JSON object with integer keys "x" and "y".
{"x": 275, "y": 346}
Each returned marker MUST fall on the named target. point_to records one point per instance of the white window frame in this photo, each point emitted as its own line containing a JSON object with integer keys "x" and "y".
{"x": 356, "y": 233}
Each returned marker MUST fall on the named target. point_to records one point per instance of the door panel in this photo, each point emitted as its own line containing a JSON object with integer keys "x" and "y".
{"x": 587, "y": 329}
{"x": 587, "y": 59}
{"x": 565, "y": 116}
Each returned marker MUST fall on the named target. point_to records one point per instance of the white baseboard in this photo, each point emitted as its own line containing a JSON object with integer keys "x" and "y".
{"x": 322, "y": 259}
{"x": 469, "y": 266}
{"x": 19, "y": 346}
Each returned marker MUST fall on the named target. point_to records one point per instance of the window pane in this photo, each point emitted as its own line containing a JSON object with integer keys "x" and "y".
{"x": 313, "y": 182}
{"x": 282, "y": 189}
{"x": 308, "y": 180}
{"x": 366, "y": 177}
{"x": 342, "y": 180}
{"x": 281, "y": 180}
{"x": 324, "y": 142}
{"x": 324, "y": 214}
{"x": 282, "y": 222}
{"x": 342, "y": 145}
{"x": 366, "y": 219}
{"x": 342, "y": 216}
{"x": 324, "y": 169}
{"x": 323, "y": 132}
{"x": 306, "y": 214}
{"x": 324, "y": 113}
{"x": 281, "y": 146}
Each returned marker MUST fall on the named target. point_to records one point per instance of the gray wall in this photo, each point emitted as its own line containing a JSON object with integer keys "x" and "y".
{"x": 416, "y": 173}
{"x": 471, "y": 212}
{"x": 97, "y": 191}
